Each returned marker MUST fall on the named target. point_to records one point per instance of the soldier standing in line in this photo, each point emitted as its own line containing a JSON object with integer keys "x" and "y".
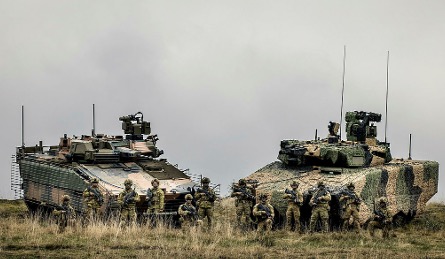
{"x": 93, "y": 200}
{"x": 65, "y": 214}
{"x": 382, "y": 218}
{"x": 244, "y": 201}
{"x": 320, "y": 207}
{"x": 155, "y": 198}
{"x": 187, "y": 212}
{"x": 295, "y": 200}
{"x": 127, "y": 200}
{"x": 205, "y": 199}
{"x": 264, "y": 213}
{"x": 350, "y": 204}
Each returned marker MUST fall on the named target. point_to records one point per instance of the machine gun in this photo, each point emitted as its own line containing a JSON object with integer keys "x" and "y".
{"x": 294, "y": 196}
{"x": 192, "y": 211}
{"x": 244, "y": 193}
{"x": 266, "y": 209}
{"x": 97, "y": 195}
{"x": 129, "y": 197}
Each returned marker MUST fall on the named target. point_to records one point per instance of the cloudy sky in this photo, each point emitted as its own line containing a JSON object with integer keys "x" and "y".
{"x": 222, "y": 82}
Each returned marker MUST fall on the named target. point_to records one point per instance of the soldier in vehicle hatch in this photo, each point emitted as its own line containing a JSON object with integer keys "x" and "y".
{"x": 205, "y": 199}
{"x": 264, "y": 213}
{"x": 92, "y": 200}
{"x": 320, "y": 208}
{"x": 245, "y": 197}
{"x": 294, "y": 200}
{"x": 127, "y": 200}
{"x": 350, "y": 205}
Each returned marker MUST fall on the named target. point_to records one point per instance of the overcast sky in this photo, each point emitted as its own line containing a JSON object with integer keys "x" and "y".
{"x": 222, "y": 82}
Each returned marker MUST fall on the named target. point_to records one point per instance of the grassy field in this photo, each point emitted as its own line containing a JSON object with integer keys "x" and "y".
{"x": 25, "y": 237}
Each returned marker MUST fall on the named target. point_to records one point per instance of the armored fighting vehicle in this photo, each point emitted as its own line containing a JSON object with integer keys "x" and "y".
{"x": 361, "y": 160}
{"x": 49, "y": 172}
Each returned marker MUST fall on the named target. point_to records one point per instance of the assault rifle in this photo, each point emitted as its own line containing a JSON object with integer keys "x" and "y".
{"x": 245, "y": 194}
{"x": 191, "y": 210}
{"x": 64, "y": 210}
{"x": 149, "y": 197}
{"x": 379, "y": 215}
{"x": 294, "y": 196}
{"x": 319, "y": 195}
{"x": 129, "y": 197}
{"x": 207, "y": 193}
{"x": 353, "y": 196}
{"x": 97, "y": 195}
{"x": 266, "y": 209}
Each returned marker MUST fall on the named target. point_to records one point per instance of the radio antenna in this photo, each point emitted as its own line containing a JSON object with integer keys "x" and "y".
{"x": 343, "y": 89}
{"x": 23, "y": 126}
{"x": 387, "y": 86}
{"x": 94, "y": 122}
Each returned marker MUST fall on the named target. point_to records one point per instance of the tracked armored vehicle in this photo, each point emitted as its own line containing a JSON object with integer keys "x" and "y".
{"x": 49, "y": 172}
{"x": 361, "y": 160}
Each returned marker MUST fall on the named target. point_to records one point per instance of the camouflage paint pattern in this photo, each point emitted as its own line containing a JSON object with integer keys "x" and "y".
{"x": 408, "y": 184}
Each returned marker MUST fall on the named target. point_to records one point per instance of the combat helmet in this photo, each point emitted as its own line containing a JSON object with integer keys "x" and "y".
{"x": 263, "y": 196}
{"x": 295, "y": 183}
{"x": 320, "y": 183}
{"x": 66, "y": 198}
{"x": 205, "y": 180}
{"x": 351, "y": 184}
{"x": 155, "y": 180}
{"x": 128, "y": 181}
{"x": 383, "y": 200}
{"x": 188, "y": 197}
{"x": 94, "y": 180}
{"x": 242, "y": 182}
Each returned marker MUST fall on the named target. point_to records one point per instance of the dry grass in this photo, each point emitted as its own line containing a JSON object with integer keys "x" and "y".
{"x": 27, "y": 237}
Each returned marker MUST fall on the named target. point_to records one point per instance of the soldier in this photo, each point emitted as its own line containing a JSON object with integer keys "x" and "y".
{"x": 155, "y": 198}
{"x": 187, "y": 212}
{"x": 244, "y": 198}
{"x": 93, "y": 200}
{"x": 264, "y": 213}
{"x": 65, "y": 214}
{"x": 127, "y": 200}
{"x": 320, "y": 207}
{"x": 382, "y": 218}
{"x": 205, "y": 199}
{"x": 294, "y": 200}
{"x": 350, "y": 204}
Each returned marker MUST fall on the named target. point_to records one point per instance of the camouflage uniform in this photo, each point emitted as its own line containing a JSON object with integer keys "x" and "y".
{"x": 65, "y": 214}
{"x": 157, "y": 199}
{"x": 188, "y": 214}
{"x": 243, "y": 204}
{"x": 93, "y": 200}
{"x": 382, "y": 219}
{"x": 295, "y": 200}
{"x": 320, "y": 208}
{"x": 264, "y": 213}
{"x": 350, "y": 205}
{"x": 205, "y": 199}
{"x": 127, "y": 200}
